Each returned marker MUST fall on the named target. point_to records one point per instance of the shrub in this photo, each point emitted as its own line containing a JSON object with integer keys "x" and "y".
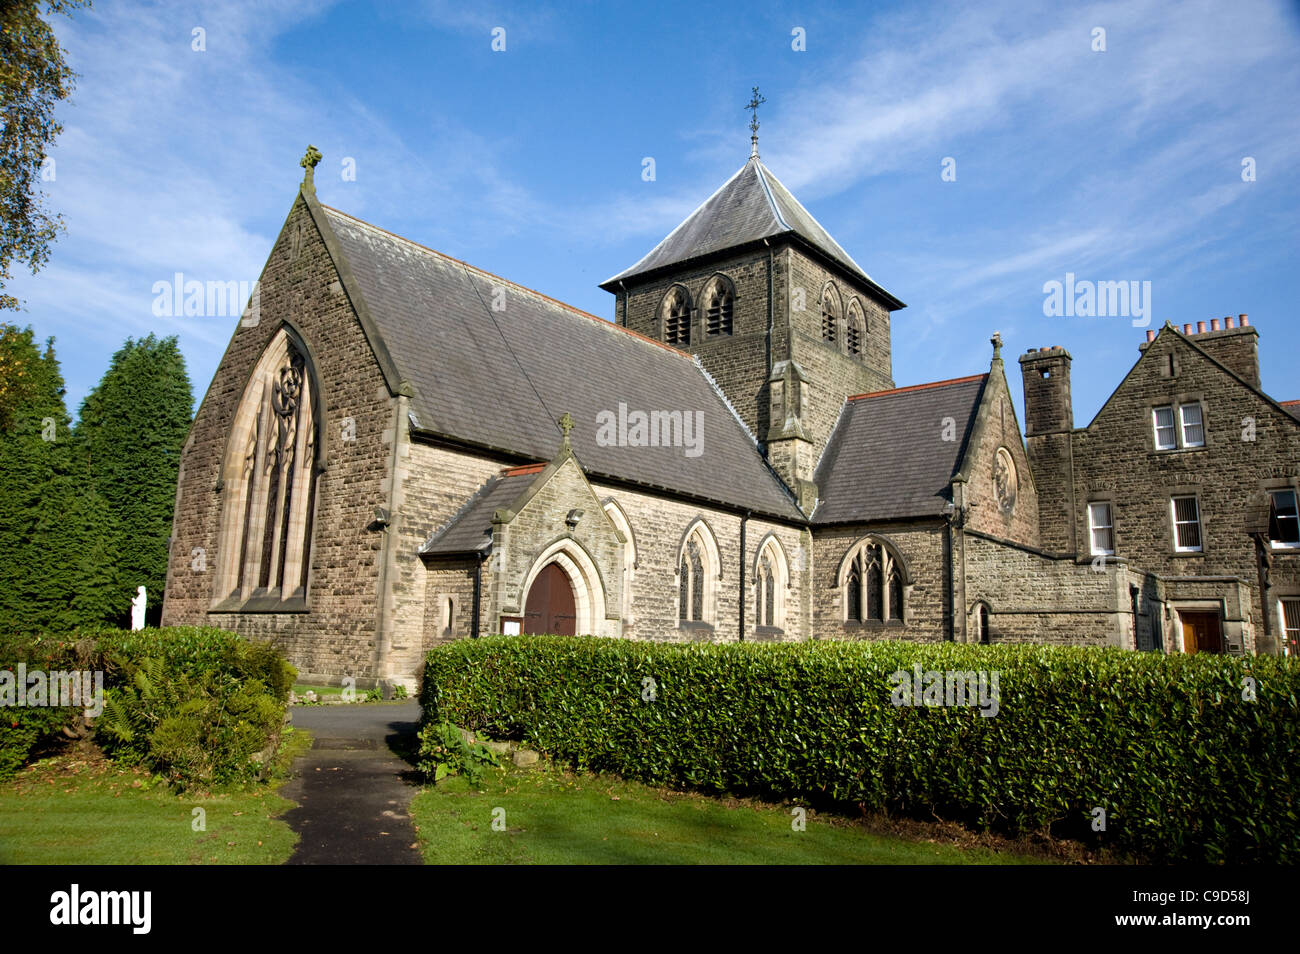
{"x": 195, "y": 704}
{"x": 443, "y": 750}
{"x": 1184, "y": 766}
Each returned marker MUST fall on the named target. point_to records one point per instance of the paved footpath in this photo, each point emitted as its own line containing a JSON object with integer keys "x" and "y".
{"x": 353, "y": 794}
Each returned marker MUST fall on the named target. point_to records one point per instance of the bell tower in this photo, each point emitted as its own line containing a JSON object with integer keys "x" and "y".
{"x": 782, "y": 318}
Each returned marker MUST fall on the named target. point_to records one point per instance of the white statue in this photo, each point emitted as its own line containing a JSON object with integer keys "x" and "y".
{"x": 137, "y": 609}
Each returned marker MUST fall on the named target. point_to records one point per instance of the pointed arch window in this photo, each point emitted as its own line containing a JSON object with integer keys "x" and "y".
{"x": 853, "y": 591}
{"x": 830, "y": 314}
{"x": 874, "y": 582}
{"x": 676, "y": 316}
{"x": 692, "y": 583}
{"x": 269, "y": 479}
{"x": 697, "y": 570}
{"x": 719, "y": 303}
{"x": 771, "y": 578}
{"x": 982, "y": 634}
{"x": 855, "y": 330}
{"x": 620, "y": 521}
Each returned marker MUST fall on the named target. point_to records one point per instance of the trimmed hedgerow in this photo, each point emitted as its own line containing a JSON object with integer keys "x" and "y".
{"x": 194, "y": 704}
{"x": 1192, "y": 758}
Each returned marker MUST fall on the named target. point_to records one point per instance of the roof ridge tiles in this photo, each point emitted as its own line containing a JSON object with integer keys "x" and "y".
{"x": 524, "y": 469}
{"x": 919, "y": 387}
{"x": 506, "y": 281}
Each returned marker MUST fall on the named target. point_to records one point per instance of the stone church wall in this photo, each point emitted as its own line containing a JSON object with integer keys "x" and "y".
{"x": 999, "y": 428}
{"x": 659, "y": 526}
{"x": 338, "y": 635}
{"x": 921, "y": 547}
{"x": 737, "y": 362}
{"x": 832, "y": 374}
{"x": 1035, "y": 598}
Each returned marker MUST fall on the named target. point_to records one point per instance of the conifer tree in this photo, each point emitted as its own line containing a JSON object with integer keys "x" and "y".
{"x": 130, "y": 431}
{"x": 56, "y": 561}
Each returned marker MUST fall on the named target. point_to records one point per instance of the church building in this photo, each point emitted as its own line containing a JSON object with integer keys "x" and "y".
{"x": 399, "y": 449}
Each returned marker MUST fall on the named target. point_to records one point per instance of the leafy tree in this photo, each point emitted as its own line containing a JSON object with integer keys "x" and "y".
{"x": 33, "y": 77}
{"x": 130, "y": 432}
{"x": 56, "y": 532}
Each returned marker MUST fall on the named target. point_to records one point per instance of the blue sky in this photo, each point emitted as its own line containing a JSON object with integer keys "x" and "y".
{"x": 1122, "y": 165}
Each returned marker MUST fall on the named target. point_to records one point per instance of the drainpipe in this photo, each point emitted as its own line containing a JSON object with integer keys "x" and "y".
{"x": 743, "y": 521}
{"x": 1264, "y": 566}
{"x": 478, "y": 591}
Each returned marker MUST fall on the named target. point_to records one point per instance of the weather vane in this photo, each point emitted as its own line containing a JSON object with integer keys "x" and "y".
{"x": 755, "y": 101}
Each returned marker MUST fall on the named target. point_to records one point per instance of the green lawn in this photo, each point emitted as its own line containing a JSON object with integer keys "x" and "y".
{"x": 552, "y": 817}
{"x": 65, "y": 811}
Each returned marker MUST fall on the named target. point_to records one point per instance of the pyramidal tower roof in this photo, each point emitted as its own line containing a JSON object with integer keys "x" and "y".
{"x": 750, "y": 206}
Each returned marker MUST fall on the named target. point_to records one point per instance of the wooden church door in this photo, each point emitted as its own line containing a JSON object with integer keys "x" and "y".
{"x": 550, "y": 606}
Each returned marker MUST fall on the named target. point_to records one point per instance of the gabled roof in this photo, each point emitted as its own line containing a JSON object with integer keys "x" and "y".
{"x": 1190, "y": 341}
{"x": 470, "y": 530}
{"x": 1291, "y": 407}
{"x": 888, "y": 459}
{"x": 750, "y": 206}
{"x": 500, "y": 379}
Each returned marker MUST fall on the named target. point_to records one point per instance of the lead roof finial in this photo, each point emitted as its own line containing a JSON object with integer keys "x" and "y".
{"x": 755, "y": 101}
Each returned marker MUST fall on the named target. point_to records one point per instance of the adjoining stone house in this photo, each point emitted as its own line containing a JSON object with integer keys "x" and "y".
{"x": 398, "y": 449}
{"x": 1189, "y": 473}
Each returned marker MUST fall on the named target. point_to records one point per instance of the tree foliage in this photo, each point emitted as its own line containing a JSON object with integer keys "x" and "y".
{"x": 56, "y": 532}
{"x": 130, "y": 432}
{"x": 33, "y": 78}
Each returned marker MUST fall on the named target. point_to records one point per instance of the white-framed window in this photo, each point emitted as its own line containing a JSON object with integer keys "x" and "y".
{"x": 1101, "y": 528}
{"x": 1166, "y": 435}
{"x": 1290, "y": 613}
{"x": 1283, "y": 519}
{"x": 1179, "y": 425}
{"x": 1186, "y": 514}
{"x": 1193, "y": 426}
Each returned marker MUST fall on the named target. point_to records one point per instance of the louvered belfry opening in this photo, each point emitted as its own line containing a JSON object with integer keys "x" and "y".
{"x": 830, "y": 317}
{"x": 677, "y": 317}
{"x": 718, "y": 316}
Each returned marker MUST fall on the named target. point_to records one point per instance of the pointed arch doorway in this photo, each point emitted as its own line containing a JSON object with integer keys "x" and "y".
{"x": 551, "y": 607}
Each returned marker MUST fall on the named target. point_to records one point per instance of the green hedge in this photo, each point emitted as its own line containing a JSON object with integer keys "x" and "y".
{"x": 195, "y": 704}
{"x": 1184, "y": 767}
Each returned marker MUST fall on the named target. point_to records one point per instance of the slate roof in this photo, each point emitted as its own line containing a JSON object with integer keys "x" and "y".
{"x": 501, "y": 379}
{"x": 750, "y": 206}
{"x": 886, "y": 457}
{"x": 470, "y": 529}
{"x": 1291, "y": 407}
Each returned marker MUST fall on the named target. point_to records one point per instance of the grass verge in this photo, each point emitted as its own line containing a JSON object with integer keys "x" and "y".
{"x": 555, "y": 817}
{"x": 80, "y": 808}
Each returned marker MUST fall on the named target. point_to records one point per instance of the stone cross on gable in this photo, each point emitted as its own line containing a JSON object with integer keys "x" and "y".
{"x": 755, "y": 101}
{"x": 311, "y": 158}
{"x": 567, "y": 424}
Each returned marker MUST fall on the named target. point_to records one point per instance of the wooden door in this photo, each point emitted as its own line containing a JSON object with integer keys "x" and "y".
{"x": 1202, "y": 632}
{"x": 550, "y": 607}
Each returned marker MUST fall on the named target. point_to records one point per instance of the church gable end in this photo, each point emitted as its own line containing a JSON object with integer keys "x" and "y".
{"x": 325, "y": 617}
